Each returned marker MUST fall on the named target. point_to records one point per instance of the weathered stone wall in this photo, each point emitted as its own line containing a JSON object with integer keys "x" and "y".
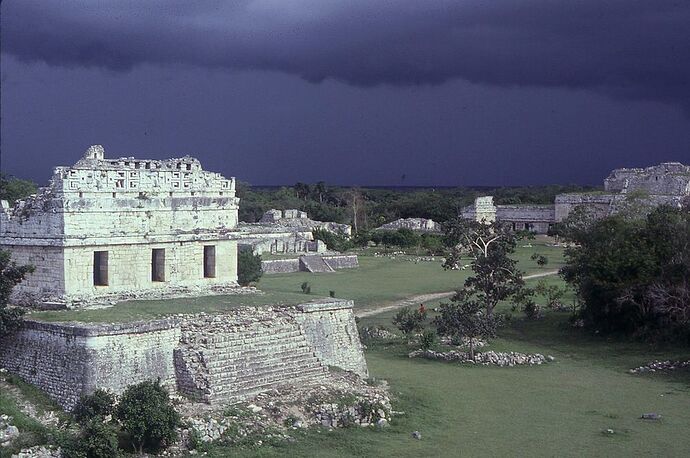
{"x": 666, "y": 179}
{"x": 129, "y": 266}
{"x": 535, "y": 218}
{"x": 68, "y": 360}
{"x": 344, "y": 261}
{"x": 48, "y": 278}
{"x": 283, "y": 266}
{"x": 598, "y": 204}
{"x": 330, "y": 328}
{"x": 210, "y": 357}
{"x": 280, "y": 266}
{"x": 414, "y": 224}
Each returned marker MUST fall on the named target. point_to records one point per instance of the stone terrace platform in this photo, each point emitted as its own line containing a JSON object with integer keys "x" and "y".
{"x": 216, "y": 358}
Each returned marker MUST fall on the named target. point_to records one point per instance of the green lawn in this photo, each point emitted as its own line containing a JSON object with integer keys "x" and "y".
{"x": 558, "y": 409}
{"x": 380, "y": 280}
{"x": 377, "y": 281}
{"x": 152, "y": 309}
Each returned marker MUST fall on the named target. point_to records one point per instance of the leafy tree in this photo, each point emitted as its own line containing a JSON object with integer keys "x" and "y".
{"x": 410, "y": 321}
{"x": 333, "y": 241}
{"x": 632, "y": 274}
{"x": 302, "y": 190}
{"x": 540, "y": 259}
{"x": 10, "y": 275}
{"x": 466, "y": 317}
{"x": 248, "y": 266}
{"x": 147, "y": 415}
{"x": 98, "y": 406}
{"x": 13, "y": 189}
{"x": 489, "y": 246}
{"x": 553, "y": 294}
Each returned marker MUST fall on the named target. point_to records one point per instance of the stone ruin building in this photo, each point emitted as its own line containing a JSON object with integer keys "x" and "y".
{"x": 105, "y": 227}
{"x": 664, "y": 184}
{"x": 413, "y": 224}
{"x": 289, "y": 231}
{"x": 113, "y": 227}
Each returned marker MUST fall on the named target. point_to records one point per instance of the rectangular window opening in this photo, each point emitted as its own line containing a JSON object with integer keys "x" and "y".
{"x": 100, "y": 268}
{"x": 158, "y": 264}
{"x": 209, "y": 261}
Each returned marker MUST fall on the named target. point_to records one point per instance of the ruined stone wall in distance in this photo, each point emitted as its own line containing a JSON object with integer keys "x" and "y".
{"x": 330, "y": 328}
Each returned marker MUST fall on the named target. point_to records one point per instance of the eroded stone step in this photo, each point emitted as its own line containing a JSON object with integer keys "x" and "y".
{"x": 214, "y": 362}
{"x": 245, "y": 388}
{"x": 255, "y": 374}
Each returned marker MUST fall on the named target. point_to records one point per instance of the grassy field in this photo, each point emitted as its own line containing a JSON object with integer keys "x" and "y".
{"x": 562, "y": 408}
{"x": 381, "y": 280}
{"x": 378, "y": 280}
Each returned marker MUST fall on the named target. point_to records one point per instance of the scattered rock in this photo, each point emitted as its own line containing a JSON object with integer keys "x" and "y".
{"x": 416, "y": 435}
{"x": 39, "y": 451}
{"x": 660, "y": 366}
{"x": 485, "y": 358}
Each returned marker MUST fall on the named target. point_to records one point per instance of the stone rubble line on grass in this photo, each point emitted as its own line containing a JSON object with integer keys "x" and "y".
{"x": 486, "y": 358}
{"x": 660, "y": 366}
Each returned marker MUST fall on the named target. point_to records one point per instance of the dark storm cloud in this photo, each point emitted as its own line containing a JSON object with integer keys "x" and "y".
{"x": 623, "y": 48}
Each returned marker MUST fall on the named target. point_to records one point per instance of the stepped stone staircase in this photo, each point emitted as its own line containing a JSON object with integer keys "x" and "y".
{"x": 242, "y": 360}
{"x": 314, "y": 263}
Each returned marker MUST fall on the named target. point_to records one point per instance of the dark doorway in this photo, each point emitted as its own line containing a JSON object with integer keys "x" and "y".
{"x": 100, "y": 268}
{"x": 158, "y": 264}
{"x": 209, "y": 261}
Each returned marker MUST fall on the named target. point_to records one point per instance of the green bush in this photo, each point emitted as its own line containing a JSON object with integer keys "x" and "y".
{"x": 248, "y": 267}
{"x": 98, "y": 405}
{"x": 409, "y": 321}
{"x": 333, "y": 241}
{"x": 427, "y": 339}
{"x": 147, "y": 415}
{"x": 95, "y": 440}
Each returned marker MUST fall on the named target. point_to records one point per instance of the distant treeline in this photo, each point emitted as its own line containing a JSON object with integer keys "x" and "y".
{"x": 368, "y": 208}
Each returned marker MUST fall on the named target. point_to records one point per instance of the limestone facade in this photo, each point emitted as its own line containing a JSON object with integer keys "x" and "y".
{"x": 108, "y": 225}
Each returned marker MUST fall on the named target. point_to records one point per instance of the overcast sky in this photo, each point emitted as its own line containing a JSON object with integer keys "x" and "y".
{"x": 408, "y": 92}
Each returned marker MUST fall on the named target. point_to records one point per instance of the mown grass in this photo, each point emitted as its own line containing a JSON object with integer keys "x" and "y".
{"x": 563, "y": 408}
{"x": 153, "y": 309}
{"x": 378, "y": 280}
{"x": 381, "y": 280}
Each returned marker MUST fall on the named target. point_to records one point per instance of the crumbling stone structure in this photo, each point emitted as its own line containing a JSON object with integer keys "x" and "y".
{"x": 413, "y": 224}
{"x": 311, "y": 263}
{"x": 289, "y": 231}
{"x": 664, "y": 184}
{"x": 105, "y": 226}
{"x": 211, "y": 358}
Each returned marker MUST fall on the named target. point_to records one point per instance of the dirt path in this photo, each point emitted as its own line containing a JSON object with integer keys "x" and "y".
{"x": 414, "y": 301}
